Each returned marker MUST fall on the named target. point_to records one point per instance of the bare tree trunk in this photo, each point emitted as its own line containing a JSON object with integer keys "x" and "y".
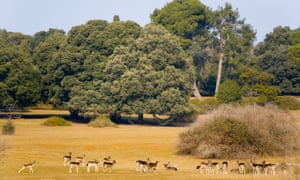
{"x": 222, "y": 46}
{"x": 219, "y": 70}
{"x": 196, "y": 91}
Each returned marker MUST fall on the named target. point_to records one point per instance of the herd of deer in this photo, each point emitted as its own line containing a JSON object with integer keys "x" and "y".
{"x": 208, "y": 167}
{"x": 265, "y": 168}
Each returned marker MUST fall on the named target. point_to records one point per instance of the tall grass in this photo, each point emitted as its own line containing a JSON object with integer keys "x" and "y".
{"x": 242, "y": 132}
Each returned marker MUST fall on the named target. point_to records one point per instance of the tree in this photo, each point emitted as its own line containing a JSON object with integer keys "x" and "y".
{"x": 184, "y": 18}
{"x": 98, "y": 39}
{"x": 294, "y": 49}
{"x": 43, "y": 56}
{"x": 229, "y": 91}
{"x": 219, "y": 41}
{"x": 272, "y": 57}
{"x": 235, "y": 42}
{"x": 150, "y": 75}
{"x": 20, "y": 79}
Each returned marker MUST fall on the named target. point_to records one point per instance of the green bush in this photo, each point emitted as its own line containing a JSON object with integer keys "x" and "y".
{"x": 205, "y": 105}
{"x": 229, "y": 91}
{"x": 234, "y": 132}
{"x": 287, "y": 102}
{"x": 8, "y": 128}
{"x": 102, "y": 121}
{"x": 56, "y": 121}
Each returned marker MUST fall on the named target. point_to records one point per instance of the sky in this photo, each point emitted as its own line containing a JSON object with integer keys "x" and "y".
{"x": 31, "y": 16}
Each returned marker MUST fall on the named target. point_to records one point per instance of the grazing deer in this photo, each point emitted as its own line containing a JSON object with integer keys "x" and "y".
{"x": 27, "y": 166}
{"x": 242, "y": 167}
{"x": 108, "y": 165}
{"x": 169, "y": 167}
{"x": 81, "y": 159}
{"x": 203, "y": 167}
{"x": 94, "y": 164}
{"x": 67, "y": 158}
{"x": 142, "y": 165}
{"x": 75, "y": 164}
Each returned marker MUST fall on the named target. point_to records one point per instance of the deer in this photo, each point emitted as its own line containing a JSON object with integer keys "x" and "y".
{"x": 169, "y": 167}
{"x": 152, "y": 166}
{"x": 27, "y": 166}
{"x": 225, "y": 165}
{"x": 75, "y": 164}
{"x": 256, "y": 167}
{"x": 214, "y": 167}
{"x": 94, "y": 164}
{"x": 203, "y": 167}
{"x": 142, "y": 165}
{"x": 67, "y": 158}
{"x": 81, "y": 159}
{"x": 108, "y": 158}
{"x": 270, "y": 166}
{"x": 108, "y": 165}
{"x": 242, "y": 167}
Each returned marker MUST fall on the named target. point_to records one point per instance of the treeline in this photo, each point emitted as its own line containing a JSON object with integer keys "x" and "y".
{"x": 120, "y": 66}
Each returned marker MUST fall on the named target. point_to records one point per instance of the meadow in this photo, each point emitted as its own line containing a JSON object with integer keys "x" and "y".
{"x": 125, "y": 144}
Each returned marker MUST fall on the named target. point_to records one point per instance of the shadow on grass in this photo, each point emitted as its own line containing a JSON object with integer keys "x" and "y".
{"x": 125, "y": 119}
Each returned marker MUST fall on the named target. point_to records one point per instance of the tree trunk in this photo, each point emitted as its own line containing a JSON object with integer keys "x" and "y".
{"x": 74, "y": 113}
{"x": 219, "y": 71}
{"x": 222, "y": 46}
{"x": 115, "y": 116}
{"x": 141, "y": 118}
{"x": 196, "y": 91}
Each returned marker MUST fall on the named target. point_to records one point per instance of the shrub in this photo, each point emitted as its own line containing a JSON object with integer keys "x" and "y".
{"x": 8, "y": 128}
{"x": 102, "y": 121}
{"x": 205, "y": 105}
{"x": 233, "y": 132}
{"x": 287, "y": 102}
{"x": 229, "y": 91}
{"x": 56, "y": 121}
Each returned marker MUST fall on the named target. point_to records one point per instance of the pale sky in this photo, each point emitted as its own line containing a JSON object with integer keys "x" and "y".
{"x": 31, "y": 16}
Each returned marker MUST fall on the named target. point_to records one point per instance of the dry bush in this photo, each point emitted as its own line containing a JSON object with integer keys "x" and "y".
{"x": 8, "y": 128}
{"x": 242, "y": 132}
{"x": 56, "y": 121}
{"x": 102, "y": 121}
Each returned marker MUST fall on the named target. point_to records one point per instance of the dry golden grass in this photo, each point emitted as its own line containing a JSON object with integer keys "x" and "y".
{"x": 125, "y": 144}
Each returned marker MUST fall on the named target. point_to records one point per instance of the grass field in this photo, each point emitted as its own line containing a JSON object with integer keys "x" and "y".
{"x": 125, "y": 144}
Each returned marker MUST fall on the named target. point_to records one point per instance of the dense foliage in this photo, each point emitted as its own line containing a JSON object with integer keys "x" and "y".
{"x": 230, "y": 91}
{"x": 118, "y": 66}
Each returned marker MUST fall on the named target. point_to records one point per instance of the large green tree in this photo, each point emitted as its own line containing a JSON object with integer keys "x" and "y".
{"x": 150, "y": 75}
{"x": 235, "y": 40}
{"x": 20, "y": 80}
{"x": 272, "y": 57}
{"x": 184, "y": 18}
{"x": 47, "y": 45}
{"x": 219, "y": 41}
{"x": 294, "y": 49}
{"x": 93, "y": 42}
